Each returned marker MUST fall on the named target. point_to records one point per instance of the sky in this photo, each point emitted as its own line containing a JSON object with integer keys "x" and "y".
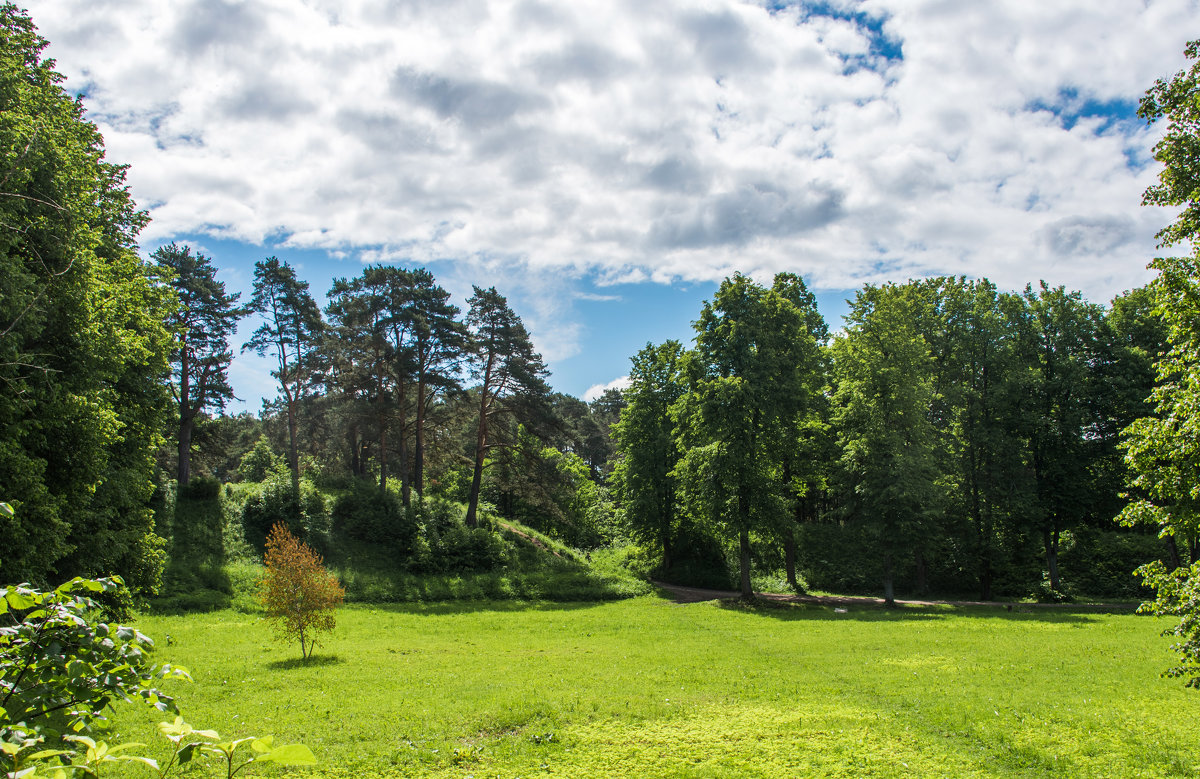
{"x": 606, "y": 163}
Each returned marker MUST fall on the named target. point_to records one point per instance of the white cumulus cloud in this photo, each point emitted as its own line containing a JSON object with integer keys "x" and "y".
{"x": 629, "y": 140}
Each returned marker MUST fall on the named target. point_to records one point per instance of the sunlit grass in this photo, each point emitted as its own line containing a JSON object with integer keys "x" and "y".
{"x": 648, "y": 688}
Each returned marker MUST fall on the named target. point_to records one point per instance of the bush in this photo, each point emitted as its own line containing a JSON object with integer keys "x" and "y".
{"x": 61, "y": 669}
{"x": 366, "y": 513}
{"x": 261, "y": 462}
{"x": 304, "y": 513}
{"x": 201, "y": 487}
{"x": 1101, "y": 563}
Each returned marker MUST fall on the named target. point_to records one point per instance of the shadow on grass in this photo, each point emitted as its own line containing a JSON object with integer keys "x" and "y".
{"x": 442, "y": 608}
{"x": 871, "y": 612}
{"x": 312, "y": 661}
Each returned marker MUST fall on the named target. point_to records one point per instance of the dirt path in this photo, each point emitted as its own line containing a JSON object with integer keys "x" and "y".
{"x": 684, "y": 595}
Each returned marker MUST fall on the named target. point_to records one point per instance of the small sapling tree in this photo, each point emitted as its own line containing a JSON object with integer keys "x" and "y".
{"x": 300, "y": 596}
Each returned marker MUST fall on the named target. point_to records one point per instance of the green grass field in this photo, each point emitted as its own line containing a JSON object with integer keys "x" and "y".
{"x": 648, "y": 688}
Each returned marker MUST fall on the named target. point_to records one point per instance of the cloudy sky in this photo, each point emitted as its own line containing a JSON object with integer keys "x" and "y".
{"x": 606, "y": 163}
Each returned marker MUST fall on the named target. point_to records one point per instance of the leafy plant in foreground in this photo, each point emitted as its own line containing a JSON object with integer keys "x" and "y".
{"x": 190, "y": 743}
{"x": 299, "y": 594}
{"x": 59, "y": 670}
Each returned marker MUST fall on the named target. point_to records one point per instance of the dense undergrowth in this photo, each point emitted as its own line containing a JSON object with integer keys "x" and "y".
{"x": 380, "y": 552}
{"x": 384, "y": 552}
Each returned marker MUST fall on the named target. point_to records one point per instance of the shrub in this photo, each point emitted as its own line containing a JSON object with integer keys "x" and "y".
{"x": 303, "y": 512}
{"x": 299, "y": 595}
{"x": 60, "y": 669}
{"x": 365, "y": 513}
{"x": 261, "y": 462}
{"x": 201, "y": 487}
{"x": 451, "y": 546}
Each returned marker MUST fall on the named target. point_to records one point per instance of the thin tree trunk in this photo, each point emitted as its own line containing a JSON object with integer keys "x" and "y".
{"x": 187, "y": 418}
{"x": 1051, "y": 540}
{"x": 889, "y": 591}
{"x": 419, "y": 440}
{"x": 744, "y": 563}
{"x": 355, "y": 461}
{"x": 477, "y": 474}
{"x": 293, "y": 450}
{"x": 921, "y": 572}
{"x": 383, "y": 458}
{"x": 789, "y": 556}
{"x": 1173, "y": 553}
{"x": 405, "y": 485}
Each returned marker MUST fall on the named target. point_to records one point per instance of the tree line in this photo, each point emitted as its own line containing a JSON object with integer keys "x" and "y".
{"x": 952, "y": 428}
{"x": 951, "y": 435}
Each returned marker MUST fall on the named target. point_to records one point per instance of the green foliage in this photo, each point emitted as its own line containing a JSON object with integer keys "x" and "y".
{"x": 60, "y": 670}
{"x": 1101, "y": 563}
{"x": 201, "y": 324}
{"x": 747, "y": 383}
{"x": 511, "y": 375}
{"x": 366, "y": 513}
{"x": 201, "y": 488}
{"x": 291, "y": 332}
{"x": 1179, "y": 149}
{"x": 885, "y": 392}
{"x": 1162, "y": 451}
{"x": 261, "y": 462}
{"x": 302, "y": 508}
{"x": 1177, "y": 594}
{"x": 647, "y": 450}
{"x": 83, "y": 345}
{"x": 453, "y": 547}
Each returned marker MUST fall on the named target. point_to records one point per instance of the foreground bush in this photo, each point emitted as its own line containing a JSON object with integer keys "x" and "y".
{"x": 59, "y": 669}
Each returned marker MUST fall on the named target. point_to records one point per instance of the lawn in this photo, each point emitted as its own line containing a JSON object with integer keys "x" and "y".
{"x": 647, "y": 688}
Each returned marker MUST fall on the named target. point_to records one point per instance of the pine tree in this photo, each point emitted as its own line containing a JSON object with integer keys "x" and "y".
{"x": 202, "y": 324}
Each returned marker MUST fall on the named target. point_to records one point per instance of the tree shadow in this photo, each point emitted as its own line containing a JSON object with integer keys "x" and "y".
{"x": 442, "y": 608}
{"x": 312, "y": 661}
{"x": 789, "y": 611}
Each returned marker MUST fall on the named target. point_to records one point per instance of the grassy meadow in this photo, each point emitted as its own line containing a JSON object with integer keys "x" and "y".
{"x": 648, "y": 688}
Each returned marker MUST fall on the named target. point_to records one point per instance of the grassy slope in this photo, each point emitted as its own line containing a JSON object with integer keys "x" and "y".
{"x": 646, "y": 688}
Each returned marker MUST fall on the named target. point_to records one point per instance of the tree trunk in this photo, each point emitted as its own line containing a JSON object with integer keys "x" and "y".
{"x": 1050, "y": 538}
{"x": 985, "y": 581}
{"x": 355, "y": 461}
{"x": 293, "y": 450}
{"x": 789, "y": 557}
{"x": 383, "y": 458}
{"x": 184, "y": 473}
{"x": 921, "y": 572}
{"x": 477, "y": 474}
{"x": 418, "y": 477}
{"x": 889, "y": 591}
{"x": 187, "y": 421}
{"x": 1173, "y": 553}
{"x": 744, "y": 563}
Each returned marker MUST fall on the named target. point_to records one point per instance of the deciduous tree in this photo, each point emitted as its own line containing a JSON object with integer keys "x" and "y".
{"x": 646, "y": 446}
{"x": 299, "y": 595}
{"x": 754, "y": 351}
{"x": 883, "y": 375}
{"x": 83, "y": 346}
